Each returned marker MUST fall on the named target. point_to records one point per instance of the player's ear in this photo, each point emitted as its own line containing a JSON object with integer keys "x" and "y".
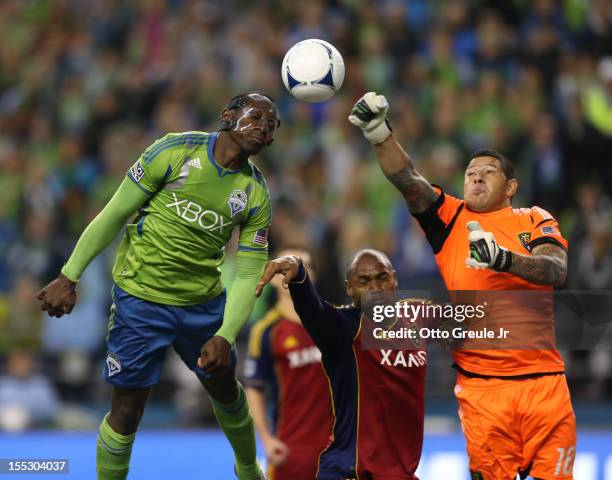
{"x": 226, "y": 120}
{"x": 511, "y": 187}
{"x": 349, "y": 288}
{"x": 394, "y": 279}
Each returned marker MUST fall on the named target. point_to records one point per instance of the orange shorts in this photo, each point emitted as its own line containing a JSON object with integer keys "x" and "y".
{"x": 513, "y": 426}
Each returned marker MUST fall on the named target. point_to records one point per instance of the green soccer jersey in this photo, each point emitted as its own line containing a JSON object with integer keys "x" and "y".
{"x": 172, "y": 251}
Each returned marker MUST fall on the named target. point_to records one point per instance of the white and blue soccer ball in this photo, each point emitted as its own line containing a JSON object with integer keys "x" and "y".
{"x": 313, "y": 70}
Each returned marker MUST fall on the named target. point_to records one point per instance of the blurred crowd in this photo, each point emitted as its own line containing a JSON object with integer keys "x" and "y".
{"x": 87, "y": 85}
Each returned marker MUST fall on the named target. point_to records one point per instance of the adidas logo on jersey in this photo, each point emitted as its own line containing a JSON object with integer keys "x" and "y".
{"x": 195, "y": 162}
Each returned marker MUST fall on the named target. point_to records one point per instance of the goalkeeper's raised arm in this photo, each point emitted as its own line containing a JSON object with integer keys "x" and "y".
{"x": 370, "y": 114}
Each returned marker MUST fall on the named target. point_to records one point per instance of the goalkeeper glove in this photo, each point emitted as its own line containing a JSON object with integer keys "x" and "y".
{"x": 370, "y": 114}
{"x": 484, "y": 250}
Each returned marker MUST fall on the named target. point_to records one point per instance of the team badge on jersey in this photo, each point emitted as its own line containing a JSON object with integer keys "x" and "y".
{"x": 525, "y": 237}
{"x": 113, "y": 364}
{"x": 291, "y": 342}
{"x": 237, "y": 202}
{"x": 137, "y": 171}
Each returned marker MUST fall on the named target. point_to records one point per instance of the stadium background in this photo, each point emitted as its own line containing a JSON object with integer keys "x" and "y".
{"x": 85, "y": 86}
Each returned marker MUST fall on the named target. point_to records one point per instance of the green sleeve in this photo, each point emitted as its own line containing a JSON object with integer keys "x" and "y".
{"x": 250, "y": 263}
{"x": 253, "y": 240}
{"x": 242, "y": 295}
{"x": 104, "y": 228}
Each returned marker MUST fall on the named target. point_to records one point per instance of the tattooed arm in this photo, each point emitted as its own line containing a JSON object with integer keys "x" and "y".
{"x": 546, "y": 266}
{"x": 401, "y": 172}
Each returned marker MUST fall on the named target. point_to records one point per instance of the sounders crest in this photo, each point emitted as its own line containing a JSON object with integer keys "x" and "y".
{"x": 237, "y": 202}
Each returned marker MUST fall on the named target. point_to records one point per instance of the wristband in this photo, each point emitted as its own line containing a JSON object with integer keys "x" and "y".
{"x": 503, "y": 261}
{"x": 380, "y": 133}
{"x": 300, "y": 276}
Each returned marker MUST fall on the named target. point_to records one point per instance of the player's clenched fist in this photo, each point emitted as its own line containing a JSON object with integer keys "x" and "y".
{"x": 287, "y": 266}
{"x": 216, "y": 356}
{"x": 276, "y": 450}
{"x": 59, "y": 297}
{"x": 370, "y": 114}
{"x": 484, "y": 250}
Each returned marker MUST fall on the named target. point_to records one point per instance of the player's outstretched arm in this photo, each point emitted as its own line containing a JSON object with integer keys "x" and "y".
{"x": 320, "y": 319}
{"x": 59, "y": 296}
{"x": 370, "y": 114}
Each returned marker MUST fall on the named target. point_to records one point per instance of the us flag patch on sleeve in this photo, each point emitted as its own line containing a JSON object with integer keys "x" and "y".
{"x": 261, "y": 237}
{"x": 137, "y": 171}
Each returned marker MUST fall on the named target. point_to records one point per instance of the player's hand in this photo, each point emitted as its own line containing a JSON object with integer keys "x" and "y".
{"x": 59, "y": 297}
{"x": 276, "y": 450}
{"x": 484, "y": 250}
{"x": 370, "y": 114}
{"x": 287, "y": 266}
{"x": 216, "y": 356}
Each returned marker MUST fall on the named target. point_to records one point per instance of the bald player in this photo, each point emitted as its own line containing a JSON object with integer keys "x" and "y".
{"x": 514, "y": 405}
{"x": 378, "y": 402}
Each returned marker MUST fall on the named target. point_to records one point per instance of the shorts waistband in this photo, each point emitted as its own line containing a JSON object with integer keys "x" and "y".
{"x": 468, "y": 374}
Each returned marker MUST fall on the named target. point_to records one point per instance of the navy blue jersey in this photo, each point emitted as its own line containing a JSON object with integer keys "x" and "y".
{"x": 377, "y": 395}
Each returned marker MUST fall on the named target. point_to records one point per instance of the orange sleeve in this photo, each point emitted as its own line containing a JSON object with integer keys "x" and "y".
{"x": 545, "y": 229}
{"x": 438, "y": 220}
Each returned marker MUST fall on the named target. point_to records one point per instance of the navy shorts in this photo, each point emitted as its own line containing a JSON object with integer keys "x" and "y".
{"x": 139, "y": 332}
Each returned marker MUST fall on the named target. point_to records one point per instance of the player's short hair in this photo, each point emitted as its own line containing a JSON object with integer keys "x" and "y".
{"x": 506, "y": 165}
{"x": 241, "y": 99}
{"x": 367, "y": 252}
{"x": 238, "y": 101}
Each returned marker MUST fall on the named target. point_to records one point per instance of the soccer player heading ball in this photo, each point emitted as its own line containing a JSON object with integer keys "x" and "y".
{"x": 514, "y": 405}
{"x": 190, "y": 190}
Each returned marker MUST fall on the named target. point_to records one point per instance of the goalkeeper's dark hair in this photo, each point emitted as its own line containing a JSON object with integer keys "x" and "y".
{"x": 506, "y": 165}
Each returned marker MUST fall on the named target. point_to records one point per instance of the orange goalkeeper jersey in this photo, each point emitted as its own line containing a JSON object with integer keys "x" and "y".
{"x": 517, "y": 229}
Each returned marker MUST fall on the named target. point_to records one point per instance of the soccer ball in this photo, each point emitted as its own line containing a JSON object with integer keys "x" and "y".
{"x": 313, "y": 70}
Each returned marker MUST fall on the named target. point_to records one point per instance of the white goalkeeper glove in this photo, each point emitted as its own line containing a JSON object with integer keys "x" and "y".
{"x": 484, "y": 250}
{"x": 370, "y": 114}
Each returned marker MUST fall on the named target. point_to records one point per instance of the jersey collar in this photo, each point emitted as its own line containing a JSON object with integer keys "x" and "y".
{"x": 503, "y": 212}
{"x": 222, "y": 171}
